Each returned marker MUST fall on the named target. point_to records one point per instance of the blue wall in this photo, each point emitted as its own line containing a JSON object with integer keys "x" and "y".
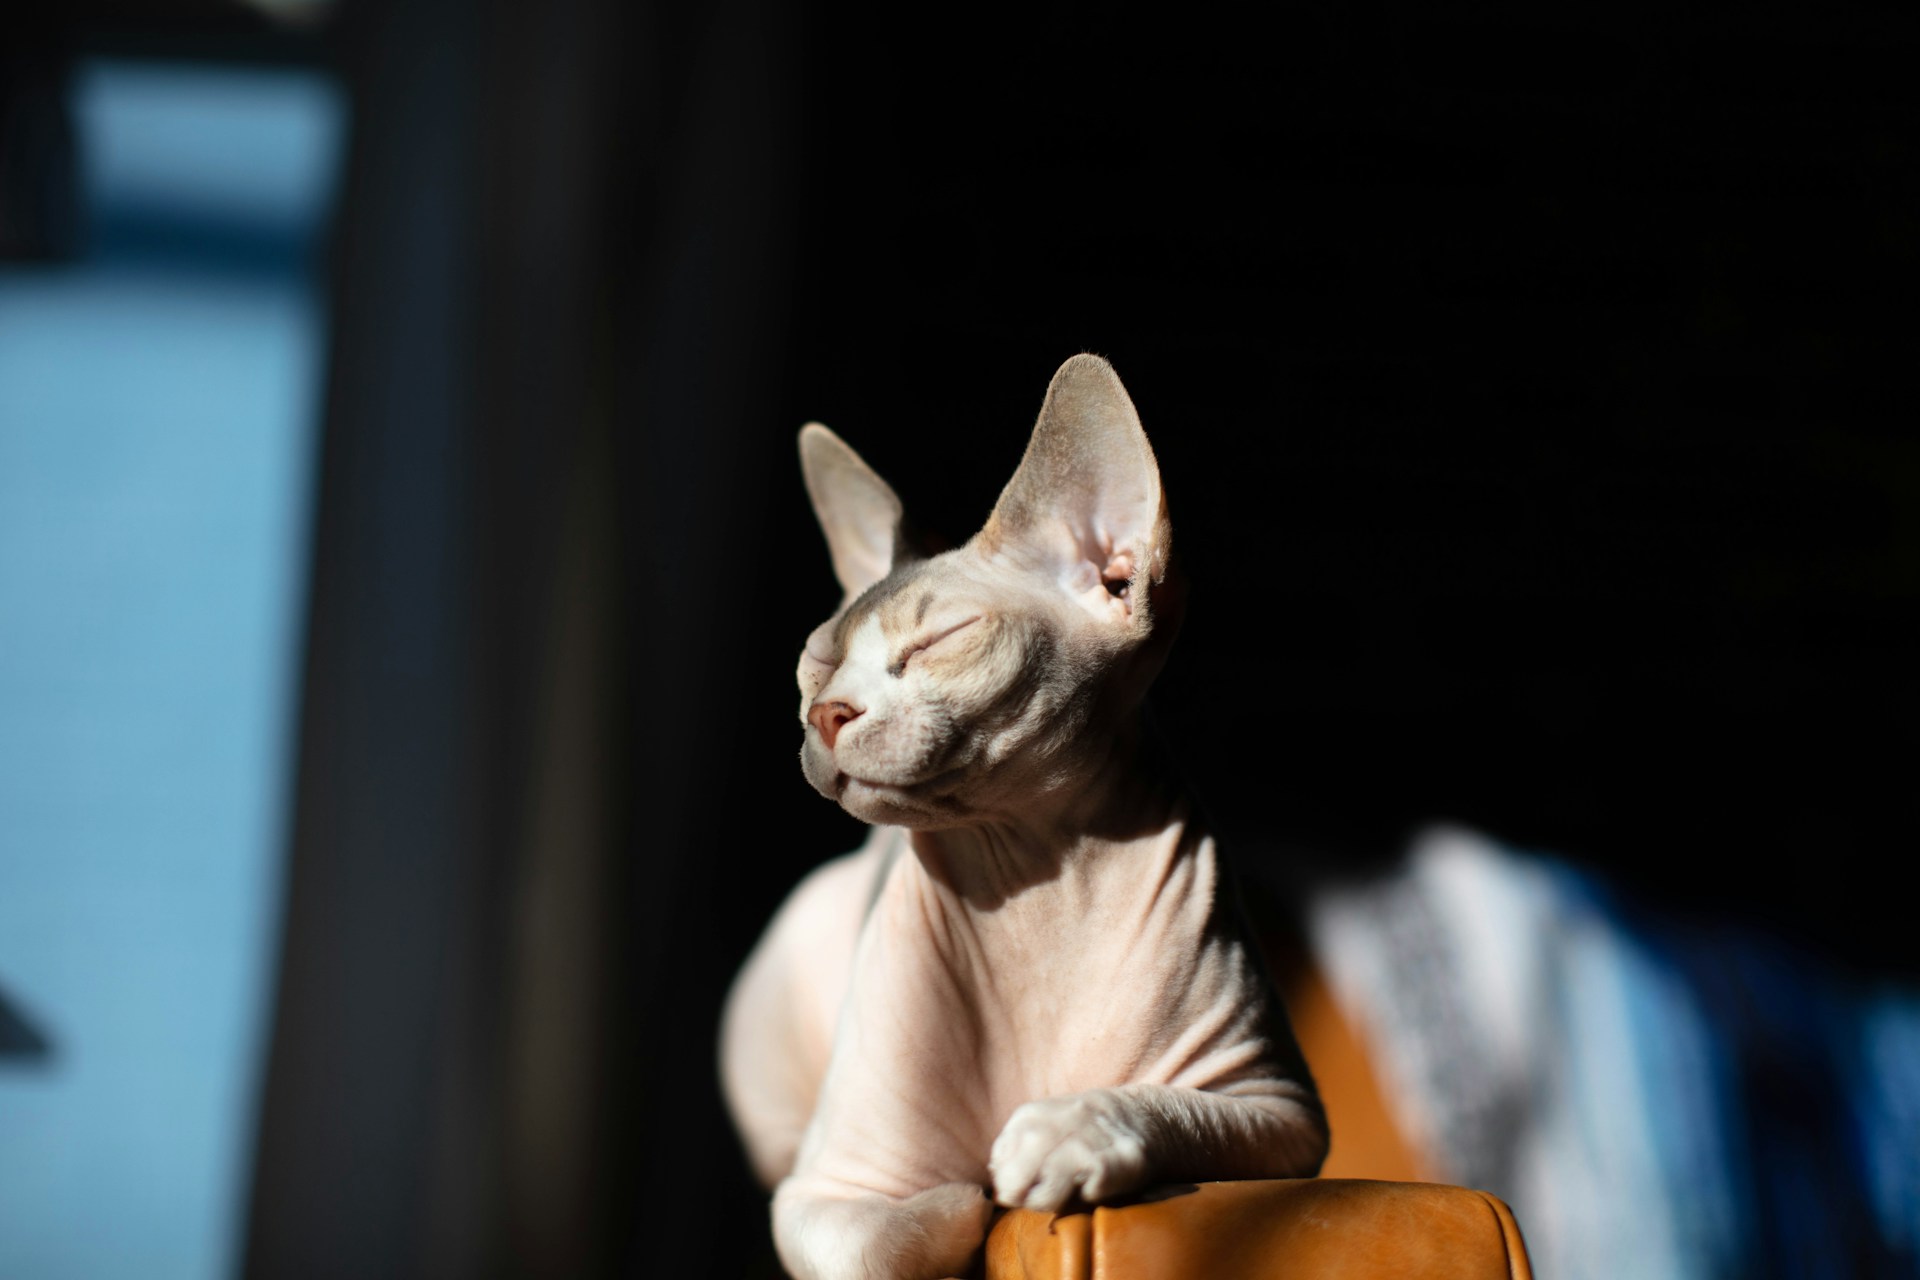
{"x": 158, "y": 415}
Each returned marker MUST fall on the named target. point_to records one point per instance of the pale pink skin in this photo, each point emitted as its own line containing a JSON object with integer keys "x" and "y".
{"x": 1030, "y": 981}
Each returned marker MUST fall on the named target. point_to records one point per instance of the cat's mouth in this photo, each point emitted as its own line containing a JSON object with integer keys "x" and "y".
{"x": 920, "y": 787}
{"x": 912, "y": 804}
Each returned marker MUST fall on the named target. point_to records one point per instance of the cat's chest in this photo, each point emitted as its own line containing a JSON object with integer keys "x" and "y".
{"x": 1070, "y": 985}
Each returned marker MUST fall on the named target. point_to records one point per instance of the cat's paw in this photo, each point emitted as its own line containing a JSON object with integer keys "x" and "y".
{"x": 927, "y": 1236}
{"x": 953, "y": 1220}
{"x": 1087, "y": 1144}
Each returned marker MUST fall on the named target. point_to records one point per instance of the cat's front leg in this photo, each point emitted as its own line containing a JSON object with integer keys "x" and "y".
{"x": 1106, "y": 1142}
{"x": 824, "y": 1231}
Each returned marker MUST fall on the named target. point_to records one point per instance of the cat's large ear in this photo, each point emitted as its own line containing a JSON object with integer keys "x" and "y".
{"x": 1086, "y": 499}
{"x": 857, "y": 511}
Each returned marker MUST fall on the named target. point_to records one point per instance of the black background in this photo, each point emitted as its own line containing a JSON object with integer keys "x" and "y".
{"x": 1532, "y": 387}
{"x": 1533, "y": 396}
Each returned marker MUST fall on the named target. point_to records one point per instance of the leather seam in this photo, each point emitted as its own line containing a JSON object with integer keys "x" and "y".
{"x": 1501, "y": 1222}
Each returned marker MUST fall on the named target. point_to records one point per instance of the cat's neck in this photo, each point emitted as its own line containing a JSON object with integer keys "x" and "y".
{"x": 1125, "y": 796}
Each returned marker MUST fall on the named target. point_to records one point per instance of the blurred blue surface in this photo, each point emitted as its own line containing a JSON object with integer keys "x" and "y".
{"x": 158, "y": 415}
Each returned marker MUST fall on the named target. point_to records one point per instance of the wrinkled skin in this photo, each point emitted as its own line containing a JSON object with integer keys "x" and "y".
{"x": 1030, "y": 984}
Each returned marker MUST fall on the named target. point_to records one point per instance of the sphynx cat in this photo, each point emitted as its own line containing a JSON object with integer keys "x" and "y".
{"x": 1032, "y": 980}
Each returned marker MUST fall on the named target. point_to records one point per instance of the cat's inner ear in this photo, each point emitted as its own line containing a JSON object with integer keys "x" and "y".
{"x": 857, "y": 510}
{"x": 1086, "y": 501}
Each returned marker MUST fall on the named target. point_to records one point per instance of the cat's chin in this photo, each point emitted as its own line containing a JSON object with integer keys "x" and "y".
{"x": 886, "y": 805}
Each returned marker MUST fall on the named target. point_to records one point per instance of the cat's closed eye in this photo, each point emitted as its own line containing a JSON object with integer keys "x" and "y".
{"x": 899, "y": 665}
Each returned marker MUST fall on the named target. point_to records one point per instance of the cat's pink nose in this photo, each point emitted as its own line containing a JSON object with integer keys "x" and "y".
{"x": 831, "y": 717}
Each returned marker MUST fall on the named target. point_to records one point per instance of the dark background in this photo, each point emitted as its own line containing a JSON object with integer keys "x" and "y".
{"x": 1533, "y": 390}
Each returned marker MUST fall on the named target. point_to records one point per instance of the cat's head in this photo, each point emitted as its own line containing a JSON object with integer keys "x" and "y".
{"x": 973, "y": 683}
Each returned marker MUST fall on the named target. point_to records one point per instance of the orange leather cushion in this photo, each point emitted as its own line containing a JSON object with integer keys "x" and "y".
{"x": 1308, "y": 1229}
{"x": 1368, "y": 1141}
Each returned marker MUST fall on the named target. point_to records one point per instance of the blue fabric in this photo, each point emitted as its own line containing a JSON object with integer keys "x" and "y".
{"x": 1657, "y": 1096}
{"x": 1810, "y": 1109}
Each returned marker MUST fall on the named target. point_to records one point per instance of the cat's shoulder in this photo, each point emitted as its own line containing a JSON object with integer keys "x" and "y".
{"x": 835, "y": 896}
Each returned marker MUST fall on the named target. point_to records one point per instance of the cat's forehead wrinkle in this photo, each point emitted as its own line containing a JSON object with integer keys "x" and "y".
{"x": 906, "y": 598}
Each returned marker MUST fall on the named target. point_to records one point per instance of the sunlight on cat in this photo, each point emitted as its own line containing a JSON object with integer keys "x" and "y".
{"x": 1031, "y": 980}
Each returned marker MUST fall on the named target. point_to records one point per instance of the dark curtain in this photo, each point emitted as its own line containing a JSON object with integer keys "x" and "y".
{"x": 1534, "y": 406}
{"x": 561, "y": 272}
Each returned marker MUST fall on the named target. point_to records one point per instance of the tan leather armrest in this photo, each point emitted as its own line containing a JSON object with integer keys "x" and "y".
{"x": 1310, "y": 1229}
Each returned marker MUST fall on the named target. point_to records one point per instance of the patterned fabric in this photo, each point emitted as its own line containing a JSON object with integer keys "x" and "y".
{"x": 1654, "y": 1099}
